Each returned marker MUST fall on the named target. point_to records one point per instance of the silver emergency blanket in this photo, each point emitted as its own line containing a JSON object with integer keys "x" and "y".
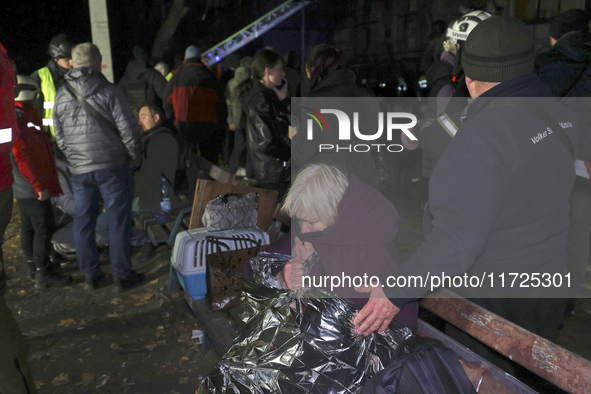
{"x": 300, "y": 343}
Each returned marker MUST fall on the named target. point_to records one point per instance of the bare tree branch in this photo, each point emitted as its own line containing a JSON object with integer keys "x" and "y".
{"x": 177, "y": 12}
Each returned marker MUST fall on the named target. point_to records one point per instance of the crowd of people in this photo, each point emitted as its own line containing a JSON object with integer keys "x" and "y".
{"x": 82, "y": 156}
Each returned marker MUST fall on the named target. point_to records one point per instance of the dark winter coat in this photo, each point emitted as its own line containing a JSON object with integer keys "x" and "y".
{"x": 88, "y": 144}
{"x": 560, "y": 67}
{"x": 34, "y": 167}
{"x": 440, "y": 74}
{"x": 267, "y": 134}
{"x": 362, "y": 241}
{"x": 160, "y": 157}
{"x": 194, "y": 95}
{"x": 141, "y": 84}
{"x": 499, "y": 196}
{"x": 566, "y": 70}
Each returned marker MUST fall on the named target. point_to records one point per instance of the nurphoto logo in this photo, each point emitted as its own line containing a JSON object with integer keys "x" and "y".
{"x": 391, "y": 120}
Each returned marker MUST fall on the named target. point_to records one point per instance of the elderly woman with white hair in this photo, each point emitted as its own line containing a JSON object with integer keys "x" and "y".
{"x": 352, "y": 228}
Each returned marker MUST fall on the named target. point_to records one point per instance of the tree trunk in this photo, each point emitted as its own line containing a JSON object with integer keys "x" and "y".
{"x": 177, "y": 12}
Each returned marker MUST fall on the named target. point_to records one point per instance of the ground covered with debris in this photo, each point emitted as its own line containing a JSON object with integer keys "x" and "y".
{"x": 139, "y": 341}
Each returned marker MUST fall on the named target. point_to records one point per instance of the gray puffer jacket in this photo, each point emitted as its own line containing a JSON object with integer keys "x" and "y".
{"x": 87, "y": 144}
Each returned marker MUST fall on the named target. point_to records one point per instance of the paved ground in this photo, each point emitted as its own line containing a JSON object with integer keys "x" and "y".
{"x": 140, "y": 341}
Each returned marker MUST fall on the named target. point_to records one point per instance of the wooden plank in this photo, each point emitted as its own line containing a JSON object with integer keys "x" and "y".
{"x": 208, "y": 190}
{"x": 157, "y": 234}
{"x": 215, "y": 324}
{"x": 548, "y": 360}
{"x": 488, "y": 378}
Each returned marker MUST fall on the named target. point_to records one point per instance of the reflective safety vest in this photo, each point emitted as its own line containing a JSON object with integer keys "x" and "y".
{"x": 168, "y": 76}
{"x": 48, "y": 90}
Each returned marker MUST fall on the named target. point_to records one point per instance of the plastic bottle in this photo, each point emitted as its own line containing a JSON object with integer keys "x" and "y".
{"x": 165, "y": 201}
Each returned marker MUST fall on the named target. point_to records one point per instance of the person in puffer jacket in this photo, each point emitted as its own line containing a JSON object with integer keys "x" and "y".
{"x": 96, "y": 130}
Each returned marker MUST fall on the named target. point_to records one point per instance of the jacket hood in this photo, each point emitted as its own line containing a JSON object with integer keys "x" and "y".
{"x": 136, "y": 69}
{"x": 365, "y": 217}
{"x": 575, "y": 46}
{"x": 86, "y": 80}
{"x": 241, "y": 74}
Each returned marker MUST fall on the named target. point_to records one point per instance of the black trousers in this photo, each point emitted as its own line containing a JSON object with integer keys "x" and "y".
{"x": 37, "y": 226}
{"x": 238, "y": 156}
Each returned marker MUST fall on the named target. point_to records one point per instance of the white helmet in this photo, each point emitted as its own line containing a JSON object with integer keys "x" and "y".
{"x": 27, "y": 88}
{"x": 461, "y": 28}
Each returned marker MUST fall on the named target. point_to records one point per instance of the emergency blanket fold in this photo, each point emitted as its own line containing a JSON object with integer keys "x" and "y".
{"x": 300, "y": 343}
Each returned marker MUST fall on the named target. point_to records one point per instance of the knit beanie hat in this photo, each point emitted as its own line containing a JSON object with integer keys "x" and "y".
{"x": 498, "y": 49}
{"x": 192, "y": 52}
{"x": 571, "y": 20}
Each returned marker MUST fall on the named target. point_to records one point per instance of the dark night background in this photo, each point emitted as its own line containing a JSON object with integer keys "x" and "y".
{"x": 29, "y": 25}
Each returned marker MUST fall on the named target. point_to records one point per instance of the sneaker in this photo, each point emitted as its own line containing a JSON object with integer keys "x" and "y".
{"x": 122, "y": 285}
{"x": 91, "y": 284}
{"x": 45, "y": 278}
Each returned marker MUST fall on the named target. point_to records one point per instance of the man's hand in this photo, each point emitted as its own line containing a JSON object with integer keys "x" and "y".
{"x": 43, "y": 195}
{"x": 232, "y": 127}
{"x": 377, "y": 314}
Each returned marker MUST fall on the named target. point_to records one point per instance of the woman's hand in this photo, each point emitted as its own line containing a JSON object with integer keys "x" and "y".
{"x": 301, "y": 250}
{"x": 377, "y": 314}
{"x": 291, "y": 276}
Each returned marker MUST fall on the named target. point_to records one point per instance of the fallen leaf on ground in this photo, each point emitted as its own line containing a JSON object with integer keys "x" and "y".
{"x": 61, "y": 379}
{"x": 39, "y": 384}
{"x": 184, "y": 358}
{"x": 114, "y": 346}
{"x": 139, "y": 300}
{"x": 67, "y": 323}
{"x": 87, "y": 378}
{"x": 172, "y": 370}
{"x": 113, "y": 314}
{"x": 154, "y": 282}
{"x": 184, "y": 380}
{"x": 151, "y": 347}
{"x": 115, "y": 301}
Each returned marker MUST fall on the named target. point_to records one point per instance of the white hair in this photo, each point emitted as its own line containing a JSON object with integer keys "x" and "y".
{"x": 317, "y": 191}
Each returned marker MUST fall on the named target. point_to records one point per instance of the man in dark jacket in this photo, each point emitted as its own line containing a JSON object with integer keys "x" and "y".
{"x": 161, "y": 151}
{"x": 566, "y": 70}
{"x": 141, "y": 83}
{"x": 499, "y": 194}
{"x": 51, "y": 77}
{"x": 96, "y": 130}
{"x": 196, "y": 99}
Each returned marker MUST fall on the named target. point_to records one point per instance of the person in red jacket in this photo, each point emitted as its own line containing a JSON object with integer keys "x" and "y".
{"x": 35, "y": 181}
{"x": 15, "y": 374}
